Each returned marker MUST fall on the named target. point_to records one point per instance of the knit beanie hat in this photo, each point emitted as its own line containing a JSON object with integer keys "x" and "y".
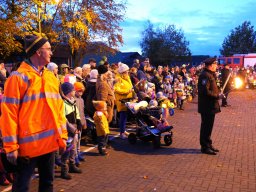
{"x": 102, "y": 69}
{"x": 71, "y": 78}
{"x": 79, "y": 86}
{"x": 122, "y": 68}
{"x": 67, "y": 88}
{"x": 99, "y": 105}
{"x": 51, "y": 66}
{"x": 32, "y": 43}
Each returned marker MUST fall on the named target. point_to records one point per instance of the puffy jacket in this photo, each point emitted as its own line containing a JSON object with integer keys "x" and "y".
{"x": 122, "y": 89}
{"x": 32, "y": 119}
{"x": 101, "y": 123}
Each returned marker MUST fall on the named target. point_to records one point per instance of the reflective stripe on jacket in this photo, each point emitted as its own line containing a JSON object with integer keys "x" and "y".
{"x": 32, "y": 119}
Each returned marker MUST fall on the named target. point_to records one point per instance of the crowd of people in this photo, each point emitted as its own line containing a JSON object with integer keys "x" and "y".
{"x": 44, "y": 106}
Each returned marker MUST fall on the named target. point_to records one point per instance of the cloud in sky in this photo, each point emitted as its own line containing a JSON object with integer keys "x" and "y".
{"x": 205, "y": 24}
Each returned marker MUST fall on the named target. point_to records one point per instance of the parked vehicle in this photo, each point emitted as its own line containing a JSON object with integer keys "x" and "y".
{"x": 239, "y": 60}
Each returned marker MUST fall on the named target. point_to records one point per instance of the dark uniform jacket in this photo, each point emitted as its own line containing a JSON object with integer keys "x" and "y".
{"x": 224, "y": 76}
{"x": 88, "y": 96}
{"x": 208, "y": 93}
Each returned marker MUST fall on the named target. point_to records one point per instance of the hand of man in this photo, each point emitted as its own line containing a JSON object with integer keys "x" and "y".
{"x": 222, "y": 96}
{"x": 12, "y": 157}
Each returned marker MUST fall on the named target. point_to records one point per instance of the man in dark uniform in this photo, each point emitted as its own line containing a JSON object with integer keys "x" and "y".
{"x": 208, "y": 105}
{"x": 225, "y": 73}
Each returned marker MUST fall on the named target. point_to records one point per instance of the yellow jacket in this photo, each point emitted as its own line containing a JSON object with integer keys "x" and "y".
{"x": 101, "y": 123}
{"x": 32, "y": 119}
{"x": 122, "y": 89}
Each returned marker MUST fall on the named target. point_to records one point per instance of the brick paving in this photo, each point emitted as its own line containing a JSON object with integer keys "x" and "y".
{"x": 181, "y": 166}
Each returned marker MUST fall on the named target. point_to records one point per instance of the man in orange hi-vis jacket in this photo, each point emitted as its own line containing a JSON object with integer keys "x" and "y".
{"x": 32, "y": 123}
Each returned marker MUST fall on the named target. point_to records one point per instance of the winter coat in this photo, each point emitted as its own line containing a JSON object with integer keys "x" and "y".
{"x": 224, "y": 76}
{"x": 32, "y": 119}
{"x": 72, "y": 116}
{"x": 80, "y": 106}
{"x": 134, "y": 78}
{"x": 104, "y": 92}
{"x": 141, "y": 73}
{"x": 122, "y": 89}
{"x": 101, "y": 123}
{"x": 88, "y": 96}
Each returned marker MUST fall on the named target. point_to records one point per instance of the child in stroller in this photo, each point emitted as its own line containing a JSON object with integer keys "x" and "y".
{"x": 150, "y": 124}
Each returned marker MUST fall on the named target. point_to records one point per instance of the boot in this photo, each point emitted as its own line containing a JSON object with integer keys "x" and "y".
{"x": 64, "y": 172}
{"x": 102, "y": 151}
{"x": 74, "y": 169}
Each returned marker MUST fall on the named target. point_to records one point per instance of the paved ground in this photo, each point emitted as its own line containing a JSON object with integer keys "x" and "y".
{"x": 181, "y": 166}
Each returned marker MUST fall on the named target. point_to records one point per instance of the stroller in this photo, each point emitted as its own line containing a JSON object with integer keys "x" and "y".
{"x": 89, "y": 134}
{"x": 150, "y": 127}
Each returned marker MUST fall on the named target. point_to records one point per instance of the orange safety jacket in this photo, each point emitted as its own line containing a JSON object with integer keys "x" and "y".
{"x": 32, "y": 119}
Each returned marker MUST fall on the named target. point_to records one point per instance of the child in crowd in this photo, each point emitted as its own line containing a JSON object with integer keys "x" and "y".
{"x": 168, "y": 87}
{"x": 180, "y": 90}
{"x": 79, "y": 88}
{"x": 73, "y": 127}
{"x": 102, "y": 127}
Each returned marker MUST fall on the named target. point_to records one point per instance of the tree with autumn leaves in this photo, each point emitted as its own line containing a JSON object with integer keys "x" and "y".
{"x": 76, "y": 23}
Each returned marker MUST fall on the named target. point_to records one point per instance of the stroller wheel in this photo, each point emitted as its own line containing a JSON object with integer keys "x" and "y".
{"x": 132, "y": 138}
{"x": 156, "y": 142}
{"x": 168, "y": 140}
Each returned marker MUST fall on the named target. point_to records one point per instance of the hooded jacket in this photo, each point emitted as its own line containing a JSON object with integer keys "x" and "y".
{"x": 122, "y": 90}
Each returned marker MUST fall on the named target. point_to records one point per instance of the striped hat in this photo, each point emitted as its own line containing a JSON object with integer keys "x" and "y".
{"x": 32, "y": 43}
